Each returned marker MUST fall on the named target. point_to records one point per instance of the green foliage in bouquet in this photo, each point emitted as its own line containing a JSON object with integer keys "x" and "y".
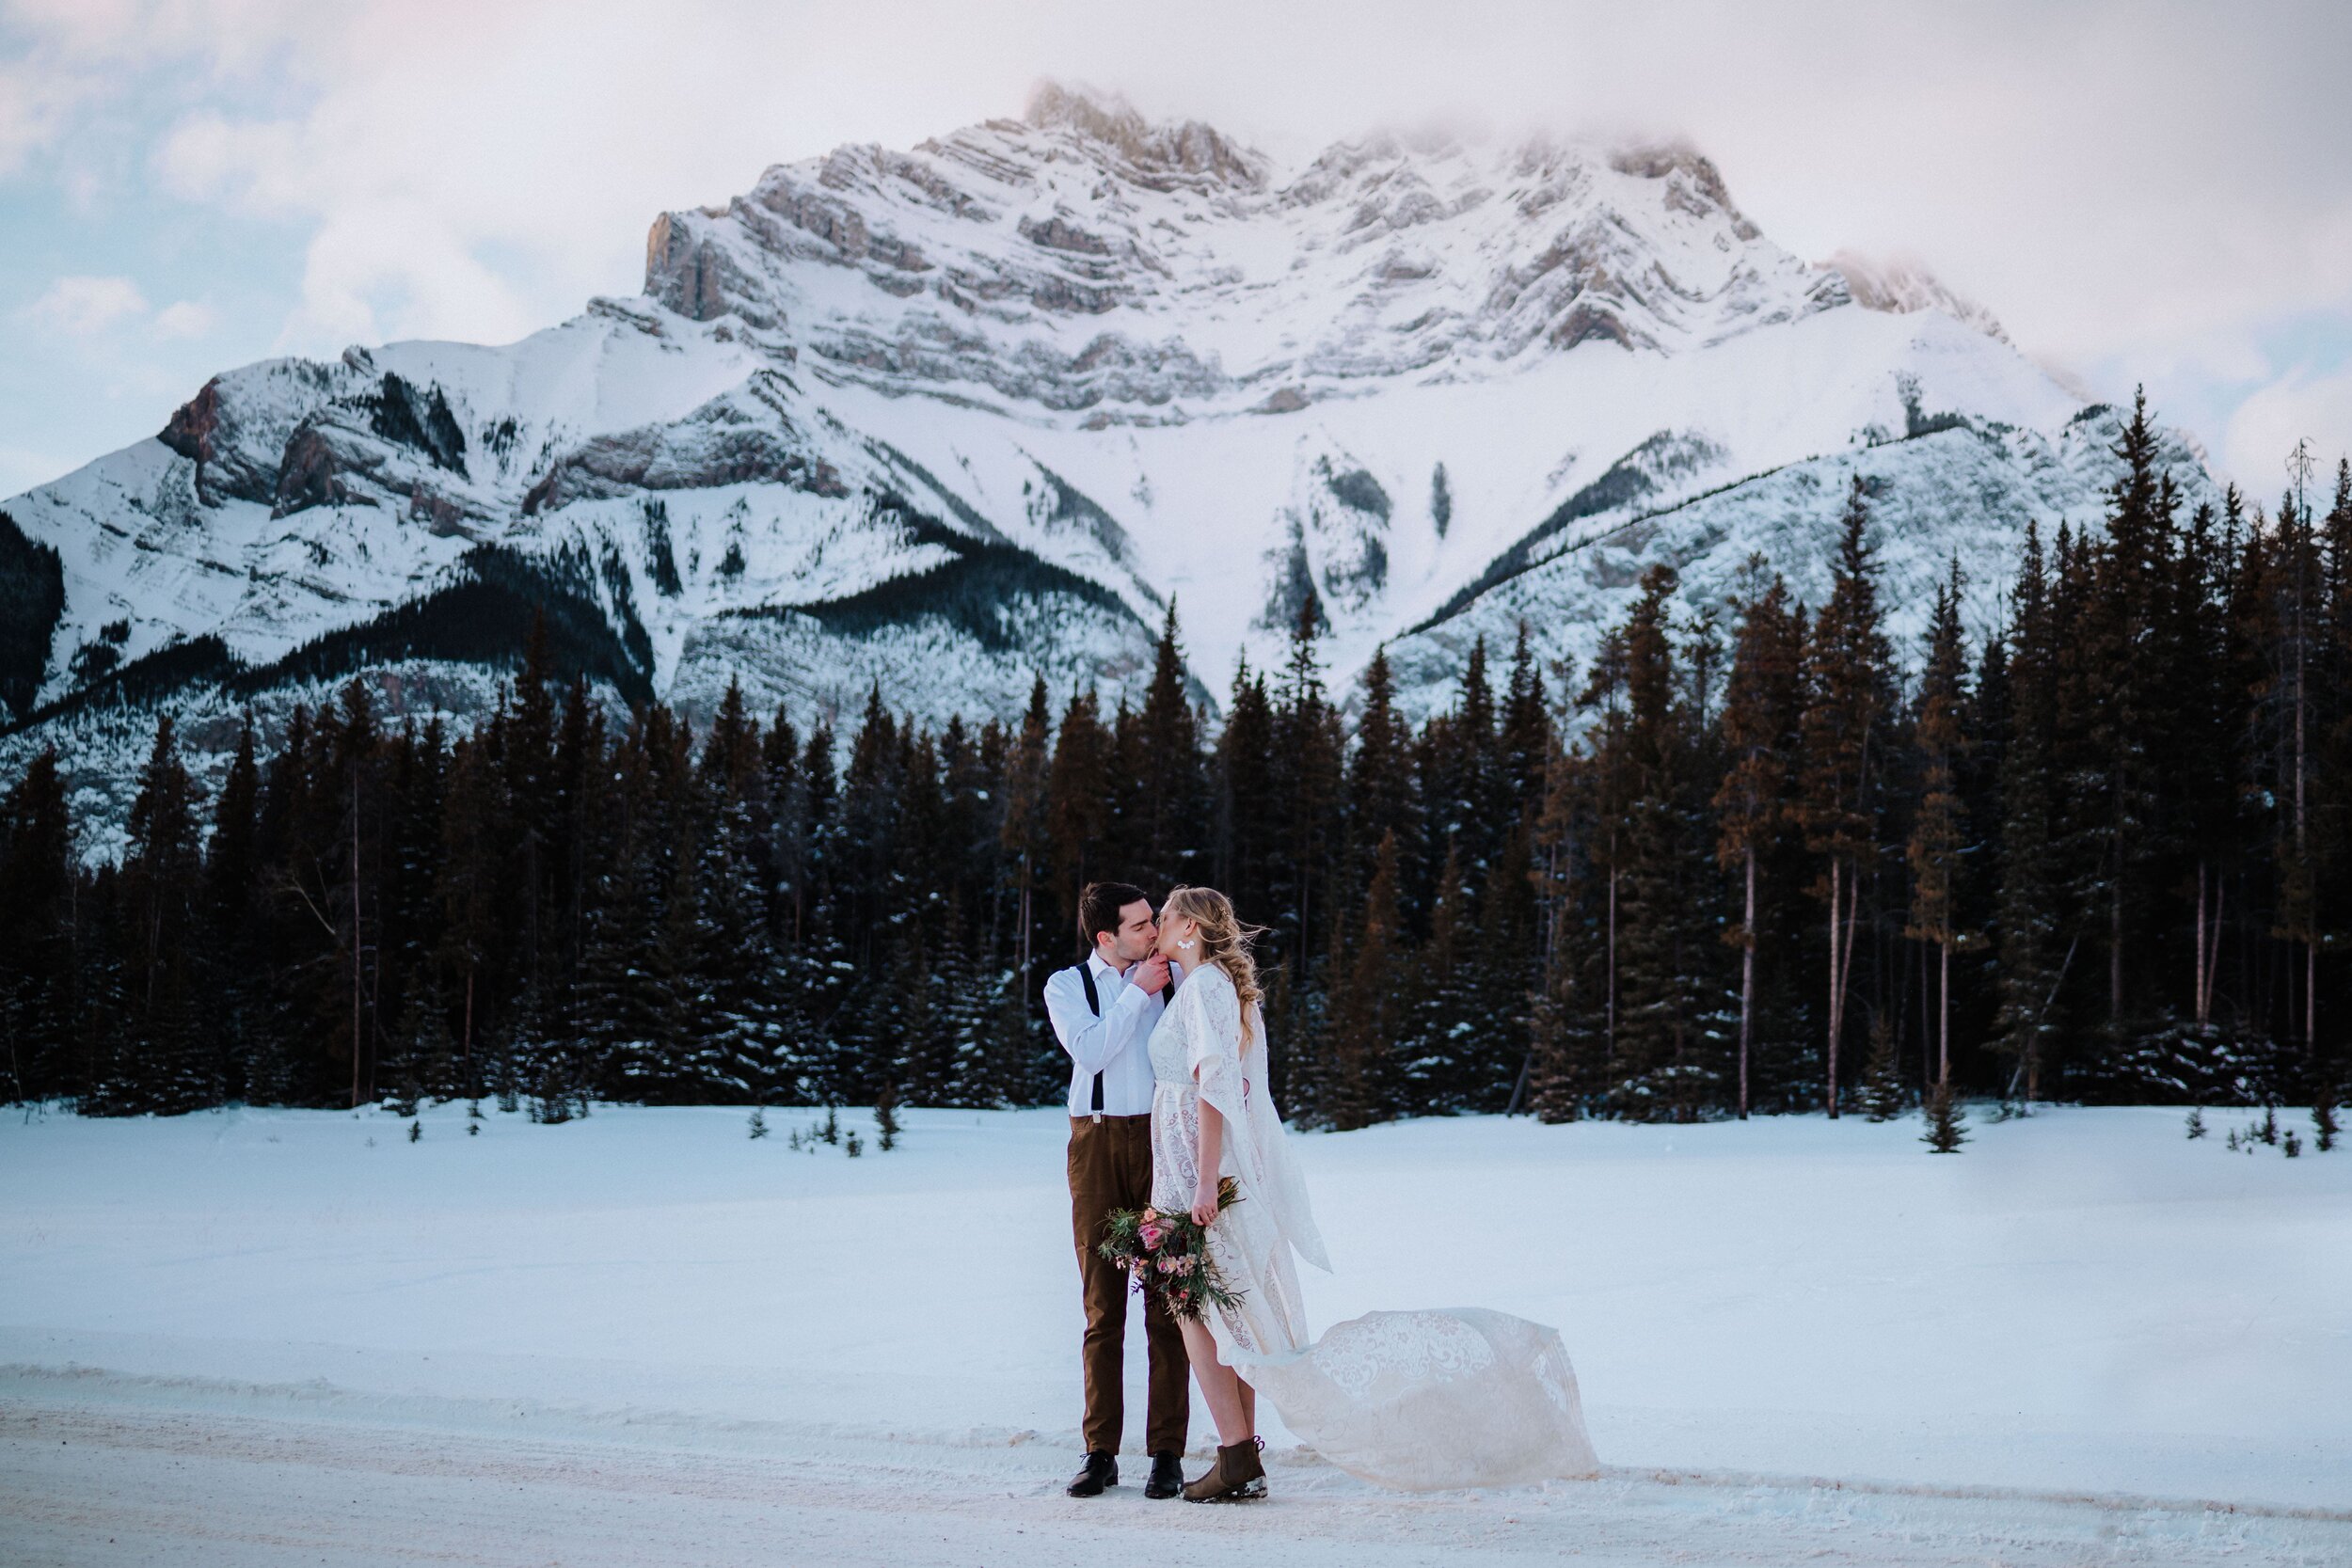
{"x": 1167, "y": 1256}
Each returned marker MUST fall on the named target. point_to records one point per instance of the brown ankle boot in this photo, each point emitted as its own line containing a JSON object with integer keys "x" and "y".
{"x": 1237, "y": 1477}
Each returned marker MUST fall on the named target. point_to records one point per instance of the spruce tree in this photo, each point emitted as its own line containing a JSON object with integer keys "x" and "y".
{"x": 1883, "y": 1094}
{"x": 1936, "y": 824}
{"x": 1849, "y": 683}
{"x": 1023, "y": 836}
{"x": 1357, "y": 1082}
{"x": 1380, "y": 804}
{"x": 1171, "y": 798}
{"x": 1247, "y": 832}
{"x": 1662, "y": 1066}
{"x": 2030, "y": 968}
{"x": 1763, "y": 704}
{"x": 1078, "y": 806}
{"x": 1306, "y": 781}
{"x": 38, "y": 885}
{"x": 1945, "y": 1125}
{"x": 167, "y": 1068}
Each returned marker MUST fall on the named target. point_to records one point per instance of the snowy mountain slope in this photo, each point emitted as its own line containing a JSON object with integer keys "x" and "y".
{"x": 1789, "y": 519}
{"x": 954, "y": 417}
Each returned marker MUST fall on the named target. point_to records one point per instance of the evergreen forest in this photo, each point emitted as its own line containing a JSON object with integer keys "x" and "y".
{"x": 1754, "y": 860}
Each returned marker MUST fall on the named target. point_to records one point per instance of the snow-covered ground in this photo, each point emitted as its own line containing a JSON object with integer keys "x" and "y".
{"x": 644, "y": 1336}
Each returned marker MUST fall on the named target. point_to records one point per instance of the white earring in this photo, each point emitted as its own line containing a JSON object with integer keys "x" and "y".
{"x": 1184, "y": 942}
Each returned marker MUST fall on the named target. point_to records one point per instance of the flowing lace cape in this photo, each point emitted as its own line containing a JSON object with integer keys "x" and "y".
{"x": 1422, "y": 1400}
{"x": 1231, "y": 1076}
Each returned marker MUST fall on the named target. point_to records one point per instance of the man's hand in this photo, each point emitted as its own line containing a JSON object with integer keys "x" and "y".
{"x": 1204, "y": 1202}
{"x": 1151, "y": 974}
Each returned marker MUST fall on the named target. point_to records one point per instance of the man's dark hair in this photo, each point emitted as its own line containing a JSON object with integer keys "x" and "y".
{"x": 1099, "y": 906}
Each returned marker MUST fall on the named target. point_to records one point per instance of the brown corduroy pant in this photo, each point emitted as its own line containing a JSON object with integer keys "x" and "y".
{"x": 1110, "y": 1168}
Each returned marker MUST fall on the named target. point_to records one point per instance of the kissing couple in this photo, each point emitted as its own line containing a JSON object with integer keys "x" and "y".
{"x": 1167, "y": 1098}
{"x": 1168, "y": 1092}
{"x": 1168, "y": 1103}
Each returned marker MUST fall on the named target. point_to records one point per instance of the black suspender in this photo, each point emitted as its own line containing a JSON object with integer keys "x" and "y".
{"x": 1094, "y": 1005}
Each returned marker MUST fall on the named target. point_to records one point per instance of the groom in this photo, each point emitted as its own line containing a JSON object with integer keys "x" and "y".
{"x": 1102, "y": 1012}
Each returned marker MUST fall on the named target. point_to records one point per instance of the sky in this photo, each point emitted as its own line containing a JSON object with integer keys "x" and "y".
{"x": 2145, "y": 192}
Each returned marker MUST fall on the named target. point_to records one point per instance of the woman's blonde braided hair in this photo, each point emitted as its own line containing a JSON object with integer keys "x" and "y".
{"x": 1224, "y": 942}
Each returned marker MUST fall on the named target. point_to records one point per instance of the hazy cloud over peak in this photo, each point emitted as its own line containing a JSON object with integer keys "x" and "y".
{"x": 2137, "y": 189}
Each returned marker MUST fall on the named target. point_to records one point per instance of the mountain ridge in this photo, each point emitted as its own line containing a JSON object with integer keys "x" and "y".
{"x": 1085, "y": 363}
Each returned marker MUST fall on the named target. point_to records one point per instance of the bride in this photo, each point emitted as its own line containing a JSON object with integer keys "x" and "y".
{"x": 1212, "y": 1117}
{"x": 1421, "y": 1400}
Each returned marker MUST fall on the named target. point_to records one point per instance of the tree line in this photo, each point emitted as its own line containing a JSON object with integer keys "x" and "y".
{"x": 1738, "y": 863}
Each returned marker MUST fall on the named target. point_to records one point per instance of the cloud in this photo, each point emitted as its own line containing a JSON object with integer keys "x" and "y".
{"x": 187, "y": 318}
{"x": 2134, "y": 187}
{"x": 85, "y": 307}
{"x": 2268, "y": 426}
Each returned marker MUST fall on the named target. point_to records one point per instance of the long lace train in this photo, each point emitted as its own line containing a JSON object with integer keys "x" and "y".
{"x": 1435, "y": 1399}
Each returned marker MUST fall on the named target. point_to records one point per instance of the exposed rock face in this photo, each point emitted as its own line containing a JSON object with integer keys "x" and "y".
{"x": 951, "y": 417}
{"x": 227, "y": 469}
{"x": 1900, "y": 286}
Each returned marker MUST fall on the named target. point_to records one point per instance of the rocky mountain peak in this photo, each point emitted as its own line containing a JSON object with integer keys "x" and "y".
{"x": 1901, "y": 285}
{"x": 1694, "y": 183}
{"x": 1152, "y": 152}
{"x": 952, "y": 416}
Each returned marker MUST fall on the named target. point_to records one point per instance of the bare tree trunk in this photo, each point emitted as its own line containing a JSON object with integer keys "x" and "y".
{"x": 1836, "y": 986}
{"x": 2213, "y": 957}
{"x": 355, "y": 935}
{"x": 2115, "y": 946}
{"x": 1026, "y": 924}
{"x": 1613, "y": 964}
{"x": 1747, "y": 985}
{"x": 1927, "y": 1026}
{"x": 2302, "y": 841}
{"x": 2200, "y": 944}
{"x": 1944, "y": 1012}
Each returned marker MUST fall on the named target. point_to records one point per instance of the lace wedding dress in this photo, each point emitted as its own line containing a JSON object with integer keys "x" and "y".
{"x": 1422, "y": 1399}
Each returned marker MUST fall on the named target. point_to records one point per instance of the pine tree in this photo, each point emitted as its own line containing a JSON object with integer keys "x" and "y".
{"x": 1380, "y": 800}
{"x": 1763, "y": 704}
{"x": 38, "y": 969}
{"x": 2030, "y": 970}
{"x": 1172, "y": 797}
{"x": 1662, "y": 1063}
{"x": 1023, "y": 836}
{"x": 1246, "y": 840}
{"x": 1935, "y": 835}
{"x": 1883, "y": 1094}
{"x": 1945, "y": 1125}
{"x": 167, "y": 1069}
{"x": 2119, "y": 650}
{"x": 1358, "y": 1086}
{"x": 1307, "y": 779}
{"x": 1849, "y": 697}
{"x": 1078, "y": 801}
{"x": 1558, "y": 1073}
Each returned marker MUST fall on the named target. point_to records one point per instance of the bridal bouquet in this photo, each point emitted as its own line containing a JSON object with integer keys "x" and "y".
{"x": 1167, "y": 1255}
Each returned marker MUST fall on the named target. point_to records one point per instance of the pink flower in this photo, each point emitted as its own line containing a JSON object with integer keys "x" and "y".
{"x": 1152, "y": 1234}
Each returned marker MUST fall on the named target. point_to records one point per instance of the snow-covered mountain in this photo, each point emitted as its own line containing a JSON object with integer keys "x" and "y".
{"x": 952, "y": 416}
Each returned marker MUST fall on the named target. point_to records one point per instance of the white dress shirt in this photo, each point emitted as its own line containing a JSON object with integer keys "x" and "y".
{"x": 1117, "y": 1045}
